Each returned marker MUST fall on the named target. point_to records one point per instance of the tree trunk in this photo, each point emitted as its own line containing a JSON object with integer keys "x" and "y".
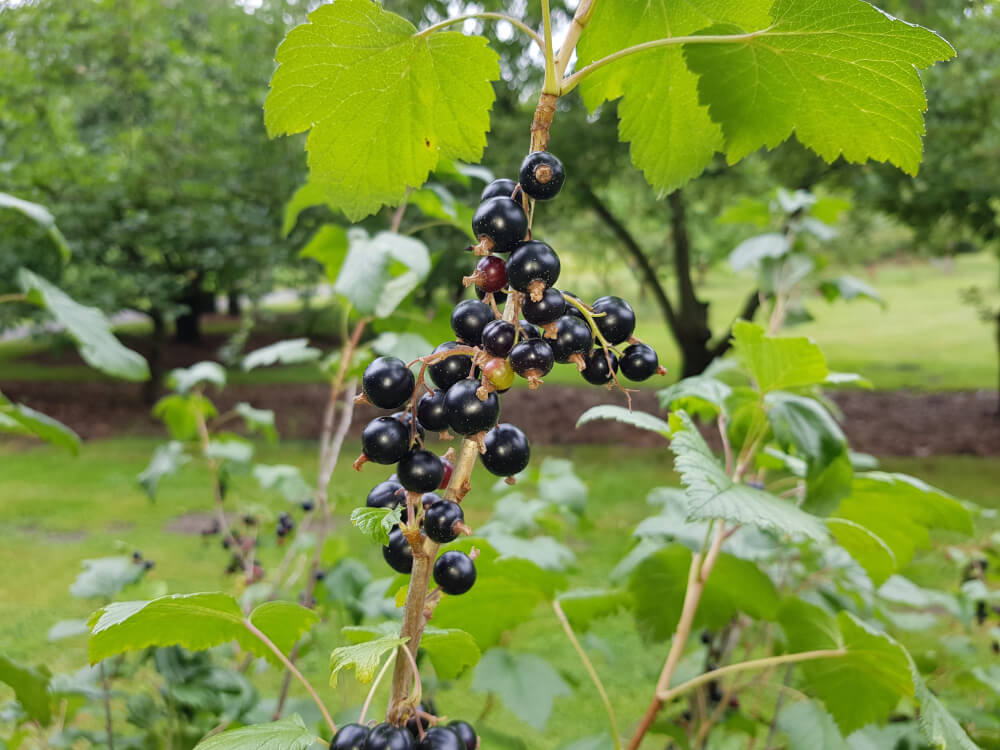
{"x": 691, "y": 330}
{"x": 997, "y": 415}
{"x": 188, "y": 325}
{"x": 234, "y": 308}
{"x": 151, "y": 388}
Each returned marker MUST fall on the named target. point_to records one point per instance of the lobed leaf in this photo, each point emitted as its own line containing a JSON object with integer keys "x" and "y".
{"x": 451, "y": 651}
{"x": 288, "y": 352}
{"x": 23, "y": 420}
{"x": 778, "y": 363}
{"x": 364, "y": 658}
{"x": 526, "y": 683}
{"x": 289, "y": 733}
{"x": 639, "y": 419}
{"x": 166, "y": 460}
{"x": 376, "y": 523}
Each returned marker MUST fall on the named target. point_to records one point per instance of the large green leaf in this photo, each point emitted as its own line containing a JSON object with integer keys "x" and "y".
{"x": 284, "y": 623}
{"x": 701, "y": 395}
{"x": 87, "y": 326}
{"x": 288, "y": 352}
{"x": 450, "y": 651}
{"x": 289, "y": 733}
{"x": 184, "y": 379}
{"x": 31, "y": 688}
{"x": 166, "y": 460}
{"x": 105, "y": 577}
{"x": 810, "y": 727}
{"x": 839, "y": 73}
{"x": 527, "y": 684}
{"x": 379, "y": 272}
{"x": 937, "y": 724}
{"x": 583, "y": 606}
{"x": 868, "y": 550}
{"x": 778, "y": 362}
{"x": 364, "y": 657}
{"x": 383, "y": 102}
{"x": 41, "y": 216}
{"x": 23, "y": 420}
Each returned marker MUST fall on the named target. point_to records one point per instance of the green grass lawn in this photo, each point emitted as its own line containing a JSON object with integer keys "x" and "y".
{"x": 56, "y": 511}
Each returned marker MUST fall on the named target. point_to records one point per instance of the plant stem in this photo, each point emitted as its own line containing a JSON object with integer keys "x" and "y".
{"x": 254, "y": 630}
{"x": 580, "y": 20}
{"x": 16, "y": 297}
{"x": 106, "y": 690}
{"x": 552, "y": 81}
{"x": 773, "y": 729}
{"x": 568, "y": 629}
{"x": 375, "y": 684}
{"x": 488, "y": 16}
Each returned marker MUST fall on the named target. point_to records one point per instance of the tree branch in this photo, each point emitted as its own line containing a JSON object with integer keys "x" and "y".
{"x": 748, "y": 312}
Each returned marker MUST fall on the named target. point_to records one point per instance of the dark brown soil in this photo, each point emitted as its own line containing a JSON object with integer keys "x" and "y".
{"x": 884, "y": 423}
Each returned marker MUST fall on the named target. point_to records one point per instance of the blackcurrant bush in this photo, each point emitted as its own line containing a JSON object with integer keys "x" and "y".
{"x": 465, "y": 733}
{"x": 388, "y": 382}
{"x": 573, "y": 336}
{"x": 420, "y": 471}
{"x": 639, "y": 362}
{"x": 532, "y": 268}
{"x": 388, "y": 737}
{"x": 440, "y": 518}
{"x": 448, "y": 371}
{"x": 618, "y": 320}
{"x": 498, "y": 337}
{"x": 387, "y": 494}
{"x": 499, "y": 373}
{"x": 431, "y": 412}
{"x": 440, "y": 738}
{"x": 454, "y": 572}
{"x": 548, "y": 309}
{"x": 467, "y": 414}
{"x": 349, "y": 737}
{"x": 502, "y": 188}
{"x": 398, "y": 553}
{"x": 541, "y": 175}
{"x": 498, "y": 297}
{"x": 597, "y": 370}
{"x": 491, "y": 274}
{"x": 502, "y": 221}
{"x": 532, "y": 358}
{"x": 469, "y": 318}
{"x": 406, "y": 419}
{"x": 385, "y": 440}
{"x": 507, "y": 450}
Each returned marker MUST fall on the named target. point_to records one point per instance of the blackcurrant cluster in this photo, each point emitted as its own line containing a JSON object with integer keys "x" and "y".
{"x": 417, "y": 735}
{"x": 285, "y": 526}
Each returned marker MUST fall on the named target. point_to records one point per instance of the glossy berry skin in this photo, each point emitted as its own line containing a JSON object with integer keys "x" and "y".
{"x": 387, "y": 494}
{"x": 406, "y": 419}
{"x": 618, "y": 321}
{"x": 529, "y": 331}
{"x": 420, "y": 471}
{"x": 349, "y": 737}
{"x": 440, "y": 738}
{"x": 573, "y": 336}
{"x": 548, "y": 309}
{"x": 439, "y": 520}
{"x": 597, "y": 371}
{"x": 502, "y": 221}
{"x": 449, "y": 370}
{"x": 532, "y": 357}
{"x": 467, "y": 415}
{"x": 494, "y": 273}
{"x": 499, "y": 373}
{"x": 498, "y": 337}
{"x": 431, "y": 412}
{"x": 454, "y": 572}
{"x": 572, "y": 309}
{"x": 502, "y": 188}
{"x": 498, "y": 297}
{"x": 398, "y": 553}
{"x": 507, "y": 450}
{"x": 388, "y": 382}
{"x": 532, "y": 262}
{"x": 639, "y": 362}
{"x": 385, "y": 440}
{"x": 465, "y": 733}
{"x": 541, "y": 175}
{"x": 469, "y": 318}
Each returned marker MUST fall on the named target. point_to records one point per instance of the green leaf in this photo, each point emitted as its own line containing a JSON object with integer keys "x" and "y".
{"x": 848, "y": 288}
{"x": 283, "y": 622}
{"x": 67, "y": 629}
{"x": 404, "y": 346}
{"x": 826, "y": 487}
{"x": 747, "y": 210}
{"x": 180, "y": 413}
{"x": 230, "y": 448}
{"x": 700, "y": 395}
{"x": 436, "y": 202}
{"x": 750, "y": 252}
{"x": 937, "y": 724}
{"x": 583, "y": 606}
{"x": 363, "y": 657}
{"x": 31, "y": 688}
{"x": 306, "y": 196}
{"x": 41, "y": 216}
{"x": 384, "y": 103}
{"x": 451, "y": 652}
{"x": 841, "y": 74}
{"x": 289, "y": 733}
{"x": 23, "y": 420}
{"x": 777, "y": 363}
{"x": 285, "y": 479}
{"x": 87, "y": 326}
{"x": 810, "y": 727}
{"x": 183, "y": 379}
{"x": 527, "y": 684}
{"x": 288, "y": 352}
{"x": 258, "y": 420}
{"x": 639, "y": 419}
{"x": 105, "y": 577}
{"x": 712, "y": 494}
{"x": 166, "y": 460}
{"x": 544, "y": 551}
{"x": 376, "y": 523}
{"x": 379, "y": 272}
{"x": 867, "y": 549}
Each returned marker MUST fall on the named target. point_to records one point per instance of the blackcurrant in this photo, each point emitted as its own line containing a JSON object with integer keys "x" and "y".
{"x": 618, "y": 320}
{"x": 441, "y": 517}
{"x": 406, "y": 419}
{"x": 415, "y": 723}
{"x": 429, "y": 498}
{"x": 541, "y": 175}
{"x": 467, "y": 414}
{"x": 454, "y": 572}
{"x": 498, "y": 297}
{"x": 548, "y": 309}
{"x": 532, "y": 268}
{"x": 491, "y": 274}
{"x": 572, "y": 309}
{"x": 639, "y": 362}
{"x": 420, "y": 471}
{"x": 388, "y": 382}
{"x": 499, "y": 372}
{"x": 349, "y": 737}
{"x": 507, "y": 450}
{"x": 398, "y": 553}
{"x": 502, "y": 221}
{"x": 532, "y": 358}
{"x": 529, "y": 331}
{"x": 431, "y": 412}
{"x": 498, "y": 337}
{"x": 448, "y": 371}
{"x": 465, "y": 733}
{"x": 597, "y": 370}
{"x": 385, "y": 440}
{"x": 440, "y": 738}
{"x": 468, "y": 319}
{"x": 388, "y": 737}
{"x": 502, "y": 188}
{"x": 573, "y": 336}
{"x": 387, "y": 494}
{"x": 449, "y": 469}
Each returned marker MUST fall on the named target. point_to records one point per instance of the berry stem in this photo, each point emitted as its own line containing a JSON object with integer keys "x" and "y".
{"x": 375, "y": 684}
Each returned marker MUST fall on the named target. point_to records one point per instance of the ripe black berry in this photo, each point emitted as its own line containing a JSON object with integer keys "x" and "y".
{"x": 388, "y": 382}
{"x": 431, "y": 412}
{"x": 387, "y": 494}
{"x": 448, "y": 371}
{"x": 454, "y": 572}
{"x": 573, "y": 336}
{"x": 548, "y": 309}
{"x": 618, "y": 320}
{"x": 532, "y": 268}
{"x": 430, "y": 498}
{"x": 597, "y": 370}
{"x": 465, "y": 733}
{"x": 541, "y": 175}
{"x": 529, "y": 331}
{"x": 507, "y": 450}
{"x": 388, "y": 737}
{"x": 440, "y": 738}
{"x": 441, "y": 517}
{"x": 498, "y": 297}
{"x": 502, "y": 188}
{"x": 532, "y": 358}
{"x": 385, "y": 440}
{"x": 491, "y": 273}
{"x": 307, "y": 505}
{"x": 502, "y": 221}
{"x": 349, "y": 737}
{"x": 420, "y": 471}
{"x": 468, "y": 319}
{"x": 406, "y": 419}
{"x": 415, "y": 723}
{"x": 498, "y": 337}
{"x": 398, "y": 553}
{"x": 467, "y": 415}
{"x": 639, "y": 362}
